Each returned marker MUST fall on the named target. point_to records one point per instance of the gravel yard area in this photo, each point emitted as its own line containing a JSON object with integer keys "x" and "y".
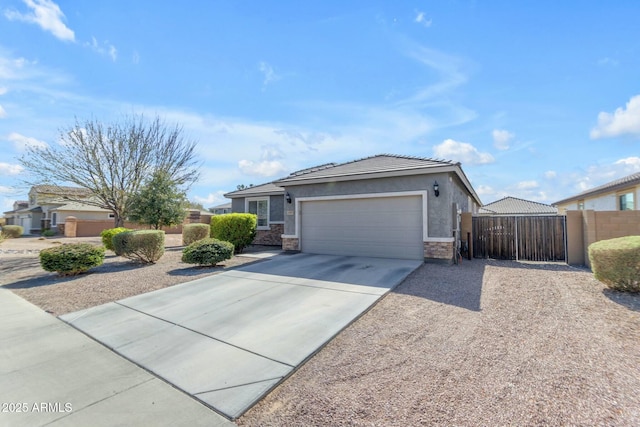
{"x": 117, "y": 278}
{"x": 485, "y": 343}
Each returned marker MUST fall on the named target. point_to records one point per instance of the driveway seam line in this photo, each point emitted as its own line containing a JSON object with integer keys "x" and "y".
{"x": 239, "y": 385}
{"x": 204, "y": 335}
{"x": 315, "y": 287}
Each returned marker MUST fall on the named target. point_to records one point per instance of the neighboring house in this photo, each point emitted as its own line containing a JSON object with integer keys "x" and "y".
{"x": 49, "y": 206}
{"x": 221, "y": 209}
{"x": 619, "y": 195}
{"x": 510, "y": 206}
{"x": 381, "y": 206}
{"x": 20, "y": 207}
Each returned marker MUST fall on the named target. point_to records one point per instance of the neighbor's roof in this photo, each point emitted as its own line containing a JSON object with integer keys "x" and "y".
{"x": 515, "y": 206}
{"x": 381, "y": 165}
{"x": 222, "y": 206}
{"x": 74, "y": 206}
{"x": 61, "y": 190}
{"x": 257, "y": 190}
{"x": 605, "y": 188}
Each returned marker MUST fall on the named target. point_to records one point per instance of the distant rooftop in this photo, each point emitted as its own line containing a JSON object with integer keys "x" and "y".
{"x": 515, "y": 206}
{"x": 604, "y": 188}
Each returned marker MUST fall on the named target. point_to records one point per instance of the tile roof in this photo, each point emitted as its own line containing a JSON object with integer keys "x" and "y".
{"x": 369, "y": 165}
{"x": 515, "y": 206}
{"x": 257, "y": 190}
{"x": 609, "y": 186}
{"x": 61, "y": 190}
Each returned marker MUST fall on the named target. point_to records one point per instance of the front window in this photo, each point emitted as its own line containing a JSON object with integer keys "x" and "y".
{"x": 626, "y": 202}
{"x": 54, "y": 219}
{"x": 260, "y": 207}
{"x": 581, "y": 205}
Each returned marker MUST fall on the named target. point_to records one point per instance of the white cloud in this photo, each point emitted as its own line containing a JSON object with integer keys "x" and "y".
{"x": 550, "y": 174}
{"x": 3, "y": 112}
{"x": 3, "y": 90}
{"x": 10, "y": 169}
{"x": 21, "y": 142}
{"x": 462, "y": 152}
{"x": 45, "y": 14}
{"x": 212, "y": 199}
{"x": 422, "y": 20}
{"x": 103, "y": 49}
{"x": 269, "y": 74}
{"x": 264, "y": 168}
{"x": 630, "y": 164}
{"x": 608, "y": 61}
{"x": 502, "y": 138}
{"x": 526, "y": 185}
{"x": 622, "y": 121}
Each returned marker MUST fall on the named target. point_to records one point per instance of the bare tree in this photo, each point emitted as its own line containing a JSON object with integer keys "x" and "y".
{"x": 113, "y": 161}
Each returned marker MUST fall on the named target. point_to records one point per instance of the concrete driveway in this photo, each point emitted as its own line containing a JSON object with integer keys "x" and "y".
{"x": 230, "y": 338}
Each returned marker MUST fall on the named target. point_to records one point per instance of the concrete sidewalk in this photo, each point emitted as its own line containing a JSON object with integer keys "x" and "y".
{"x": 52, "y": 374}
{"x": 230, "y": 338}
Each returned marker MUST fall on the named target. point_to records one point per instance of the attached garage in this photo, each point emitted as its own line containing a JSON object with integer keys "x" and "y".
{"x": 385, "y": 227}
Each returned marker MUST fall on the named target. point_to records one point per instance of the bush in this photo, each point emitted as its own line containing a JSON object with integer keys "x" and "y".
{"x": 616, "y": 263}
{"x": 107, "y": 236}
{"x": 194, "y": 232}
{"x": 71, "y": 258}
{"x": 237, "y": 228}
{"x": 146, "y": 246}
{"x": 49, "y": 233}
{"x": 12, "y": 231}
{"x": 207, "y": 252}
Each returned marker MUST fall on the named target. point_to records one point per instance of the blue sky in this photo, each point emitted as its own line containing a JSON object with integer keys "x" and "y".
{"x": 537, "y": 99}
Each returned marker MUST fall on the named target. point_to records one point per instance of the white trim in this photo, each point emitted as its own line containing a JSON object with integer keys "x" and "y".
{"x": 421, "y": 193}
{"x": 276, "y": 222}
{"x": 288, "y": 236}
{"x": 258, "y": 199}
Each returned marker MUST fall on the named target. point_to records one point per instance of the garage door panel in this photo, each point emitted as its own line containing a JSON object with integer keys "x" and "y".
{"x": 378, "y": 227}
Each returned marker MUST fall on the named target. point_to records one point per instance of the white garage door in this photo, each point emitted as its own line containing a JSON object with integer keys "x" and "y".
{"x": 385, "y": 227}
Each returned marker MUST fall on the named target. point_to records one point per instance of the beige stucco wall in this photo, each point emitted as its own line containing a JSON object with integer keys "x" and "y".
{"x": 589, "y": 226}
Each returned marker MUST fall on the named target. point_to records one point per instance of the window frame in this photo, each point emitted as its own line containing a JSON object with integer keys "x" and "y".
{"x": 54, "y": 219}
{"x": 258, "y": 200}
{"x": 624, "y": 194}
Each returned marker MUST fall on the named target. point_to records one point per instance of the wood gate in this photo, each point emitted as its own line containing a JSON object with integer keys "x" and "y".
{"x": 528, "y": 238}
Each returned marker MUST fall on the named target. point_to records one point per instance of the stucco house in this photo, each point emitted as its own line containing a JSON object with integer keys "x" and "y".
{"x": 513, "y": 206}
{"x": 48, "y": 207}
{"x": 618, "y": 195}
{"x": 380, "y": 206}
{"x": 222, "y": 209}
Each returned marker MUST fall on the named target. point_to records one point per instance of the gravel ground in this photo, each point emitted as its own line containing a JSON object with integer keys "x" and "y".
{"x": 486, "y": 343}
{"x": 117, "y": 278}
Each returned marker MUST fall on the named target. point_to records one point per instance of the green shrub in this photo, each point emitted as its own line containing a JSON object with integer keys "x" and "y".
{"x": 616, "y": 263}
{"x": 107, "y": 236}
{"x": 146, "y": 246}
{"x": 207, "y": 252}
{"x": 237, "y": 228}
{"x": 71, "y": 258}
{"x": 194, "y": 232}
{"x": 49, "y": 233}
{"x": 12, "y": 231}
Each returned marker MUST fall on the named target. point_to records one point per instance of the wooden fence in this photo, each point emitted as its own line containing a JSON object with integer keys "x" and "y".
{"x": 530, "y": 238}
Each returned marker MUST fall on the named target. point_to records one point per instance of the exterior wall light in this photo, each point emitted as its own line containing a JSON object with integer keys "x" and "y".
{"x": 436, "y": 188}
{"x": 288, "y": 198}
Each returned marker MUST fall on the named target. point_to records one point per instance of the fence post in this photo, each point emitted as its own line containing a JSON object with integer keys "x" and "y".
{"x": 70, "y": 226}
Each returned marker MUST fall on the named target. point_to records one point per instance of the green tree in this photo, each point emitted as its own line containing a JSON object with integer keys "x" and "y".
{"x": 159, "y": 203}
{"x": 112, "y": 160}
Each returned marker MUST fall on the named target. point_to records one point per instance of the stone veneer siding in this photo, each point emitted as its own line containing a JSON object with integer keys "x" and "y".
{"x": 438, "y": 251}
{"x": 271, "y": 237}
{"x": 290, "y": 244}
